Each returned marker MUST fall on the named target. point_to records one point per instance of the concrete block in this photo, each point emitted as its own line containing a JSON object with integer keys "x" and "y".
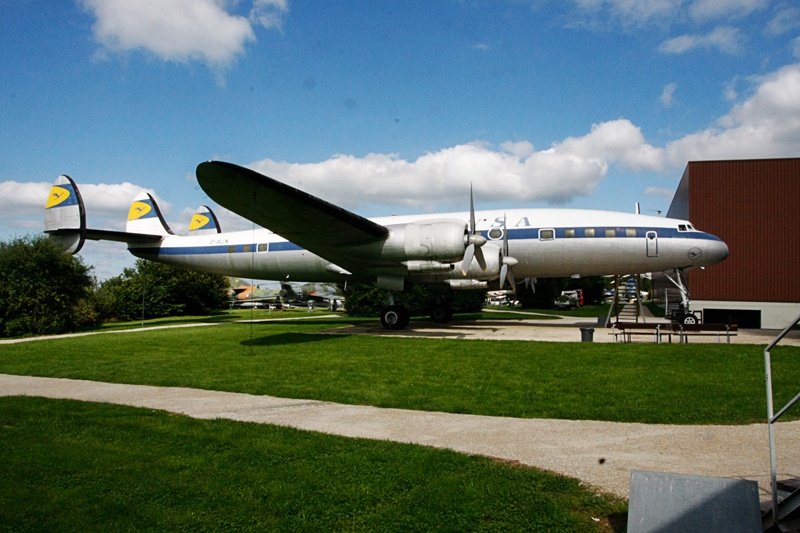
{"x": 661, "y": 502}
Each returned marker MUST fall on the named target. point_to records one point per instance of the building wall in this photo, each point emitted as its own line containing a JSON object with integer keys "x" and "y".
{"x": 754, "y": 206}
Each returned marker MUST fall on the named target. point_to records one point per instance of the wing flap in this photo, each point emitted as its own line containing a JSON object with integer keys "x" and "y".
{"x": 308, "y": 221}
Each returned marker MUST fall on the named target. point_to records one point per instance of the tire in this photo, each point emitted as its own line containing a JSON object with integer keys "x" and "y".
{"x": 395, "y": 317}
{"x": 441, "y": 313}
{"x": 690, "y": 320}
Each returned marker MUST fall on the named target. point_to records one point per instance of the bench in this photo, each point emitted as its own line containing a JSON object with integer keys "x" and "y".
{"x": 626, "y": 330}
{"x": 706, "y": 330}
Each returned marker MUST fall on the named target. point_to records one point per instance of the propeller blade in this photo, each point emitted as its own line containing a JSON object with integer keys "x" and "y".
{"x": 503, "y": 275}
{"x": 468, "y": 254}
{"x": 511, "y": 280}
{"x": 505, "y": 237}
{"x": 480, "y": 258}
{"x": 471, "y": 212}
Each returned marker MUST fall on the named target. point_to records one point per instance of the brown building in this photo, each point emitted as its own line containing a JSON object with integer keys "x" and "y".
{"x": 754, "y": 206}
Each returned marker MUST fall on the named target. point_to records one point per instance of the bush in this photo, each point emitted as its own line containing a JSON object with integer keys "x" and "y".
{"x": 44, "y": 291}
{"x": 367, "y": 300}
{"x": 170, "y": 291}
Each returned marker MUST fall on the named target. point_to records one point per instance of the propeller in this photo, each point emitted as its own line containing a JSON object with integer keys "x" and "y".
{"x": 474, "y": 241}
{"x": 509, "y": 262}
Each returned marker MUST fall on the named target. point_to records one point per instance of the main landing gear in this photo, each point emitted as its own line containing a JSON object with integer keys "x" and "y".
{"x": 395, "y": 317}
{"x": 441, "y": 313}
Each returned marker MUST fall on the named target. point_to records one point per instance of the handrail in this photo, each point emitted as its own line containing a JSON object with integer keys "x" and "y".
{"x": 771, "y": 417}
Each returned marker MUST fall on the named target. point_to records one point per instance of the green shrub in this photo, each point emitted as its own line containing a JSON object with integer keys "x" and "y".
{"x": 43, "y": 291}
{"x": 170, "y": 291}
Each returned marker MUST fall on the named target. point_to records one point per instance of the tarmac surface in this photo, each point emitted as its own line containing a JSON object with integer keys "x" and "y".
{"x": 599, "y": 453}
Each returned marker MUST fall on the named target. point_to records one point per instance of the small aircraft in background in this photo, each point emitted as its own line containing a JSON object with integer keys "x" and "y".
{"x": 308, "y": 239}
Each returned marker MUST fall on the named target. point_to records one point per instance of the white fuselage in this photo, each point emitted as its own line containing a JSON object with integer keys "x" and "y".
{"x": 545, "y": 243}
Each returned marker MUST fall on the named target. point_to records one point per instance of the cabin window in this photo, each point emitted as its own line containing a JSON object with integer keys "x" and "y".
{"x": 569, "y": 233}
{"x": 589, "y": 232}
{"x": 630, "y": 232}
{"x": 681, "y": 227}
{"x": 246, "y": 248}
{"x": 546, "y": 234}
{"x": 231, "y": 249}
{"x": 262, "y": 247}
{"x": 611, "y": 233}
{"x": 496, "y": 233}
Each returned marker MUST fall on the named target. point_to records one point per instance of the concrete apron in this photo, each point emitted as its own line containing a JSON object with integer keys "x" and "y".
{"x": 599, "y": 453}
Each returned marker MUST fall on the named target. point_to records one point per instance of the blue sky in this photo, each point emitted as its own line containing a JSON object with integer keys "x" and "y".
{"x": 386, "y": 107}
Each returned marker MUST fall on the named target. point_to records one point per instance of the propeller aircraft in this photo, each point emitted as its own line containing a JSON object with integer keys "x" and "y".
{"x": 308, "y": 239}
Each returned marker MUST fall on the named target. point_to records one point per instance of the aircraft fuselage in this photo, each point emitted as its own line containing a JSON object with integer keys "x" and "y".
{"x": 545, "y": 242}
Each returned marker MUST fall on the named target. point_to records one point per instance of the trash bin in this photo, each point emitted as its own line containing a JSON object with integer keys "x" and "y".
{"x": 587, "y": 334}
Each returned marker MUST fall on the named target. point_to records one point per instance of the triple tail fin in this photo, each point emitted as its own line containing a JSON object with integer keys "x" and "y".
{"x": 65, "y": 220}
{"x": 64, "y": 215}
{"x": 145, "y": 217}
{"x": 204, "y": 222}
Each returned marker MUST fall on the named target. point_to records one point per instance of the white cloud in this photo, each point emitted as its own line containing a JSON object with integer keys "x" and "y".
{"x": 21, "y": 202}
{"x": 570, "y": 168}
{"x": 522, "y": 149}
{"x": 765, "y": 125}
{"x": 704, "y": 10}
{"x": 785, "y": 20}
{"x": 269, "y": 13}
{"x": 180, "y": 30}
{"x": 725, "y": 38}
{"x": 730, "y": 93}
{"x": 665, "y": 12}
{"x": 667, "y": 96}
{"x": 632, "y": 12}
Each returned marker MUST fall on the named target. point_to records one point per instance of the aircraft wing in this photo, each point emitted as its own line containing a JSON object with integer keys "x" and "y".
{"x": 314, "y": 224}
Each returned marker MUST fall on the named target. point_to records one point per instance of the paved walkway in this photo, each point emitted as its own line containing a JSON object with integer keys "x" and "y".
{"x": 559, "y": 329}
{"x": 599, "y": 453}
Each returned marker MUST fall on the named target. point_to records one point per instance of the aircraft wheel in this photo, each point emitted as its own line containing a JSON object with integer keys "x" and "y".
{"x": 395, "y": 317}
{"x": 441, "y": 313}
{"x": 690, "y": 320}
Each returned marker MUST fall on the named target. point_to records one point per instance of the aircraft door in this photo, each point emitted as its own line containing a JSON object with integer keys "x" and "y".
{"x": 651, "y": 238}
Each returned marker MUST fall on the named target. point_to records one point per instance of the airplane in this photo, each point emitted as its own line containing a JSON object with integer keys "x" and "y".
{"x": 309, "y": 239}
{"x": 311, "y": 292}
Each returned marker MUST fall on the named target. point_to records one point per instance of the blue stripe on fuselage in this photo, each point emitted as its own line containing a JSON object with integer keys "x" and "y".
{"x": 600, "y": 233}
{"x": 513, "y": 234}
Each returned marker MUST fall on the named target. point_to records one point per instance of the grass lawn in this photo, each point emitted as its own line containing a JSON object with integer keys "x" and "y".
{"x": 680, "y": 384}
{"x": 75, "y": 466}
{"x": 224, "y": 316}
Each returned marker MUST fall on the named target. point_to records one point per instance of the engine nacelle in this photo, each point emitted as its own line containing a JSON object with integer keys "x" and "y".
{"x": 435, "y": 240}
{"x": 492, "y": 256}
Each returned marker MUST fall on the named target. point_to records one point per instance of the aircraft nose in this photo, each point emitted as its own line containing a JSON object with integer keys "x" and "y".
{"x": 716, "y": 252}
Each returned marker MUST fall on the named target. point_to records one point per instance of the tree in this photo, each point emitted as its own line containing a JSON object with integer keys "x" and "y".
{"x": 43, "y": 291}
{"x": 170, "y": 291}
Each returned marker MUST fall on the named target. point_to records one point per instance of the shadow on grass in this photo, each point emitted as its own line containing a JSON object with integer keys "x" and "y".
{"x": 284, "y": 339}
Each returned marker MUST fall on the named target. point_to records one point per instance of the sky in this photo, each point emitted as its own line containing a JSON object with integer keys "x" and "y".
{"x": 385, "y": 107}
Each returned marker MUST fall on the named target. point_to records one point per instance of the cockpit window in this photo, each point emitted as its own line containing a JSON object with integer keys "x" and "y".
{"x": 691, "y": 228}
{"x": 681, "y": 227}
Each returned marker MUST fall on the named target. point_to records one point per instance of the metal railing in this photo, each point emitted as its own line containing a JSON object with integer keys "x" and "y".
{"x": 772, "y": 418}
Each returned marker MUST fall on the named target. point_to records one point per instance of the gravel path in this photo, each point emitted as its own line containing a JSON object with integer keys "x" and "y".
{"x": 599, "y": 453}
